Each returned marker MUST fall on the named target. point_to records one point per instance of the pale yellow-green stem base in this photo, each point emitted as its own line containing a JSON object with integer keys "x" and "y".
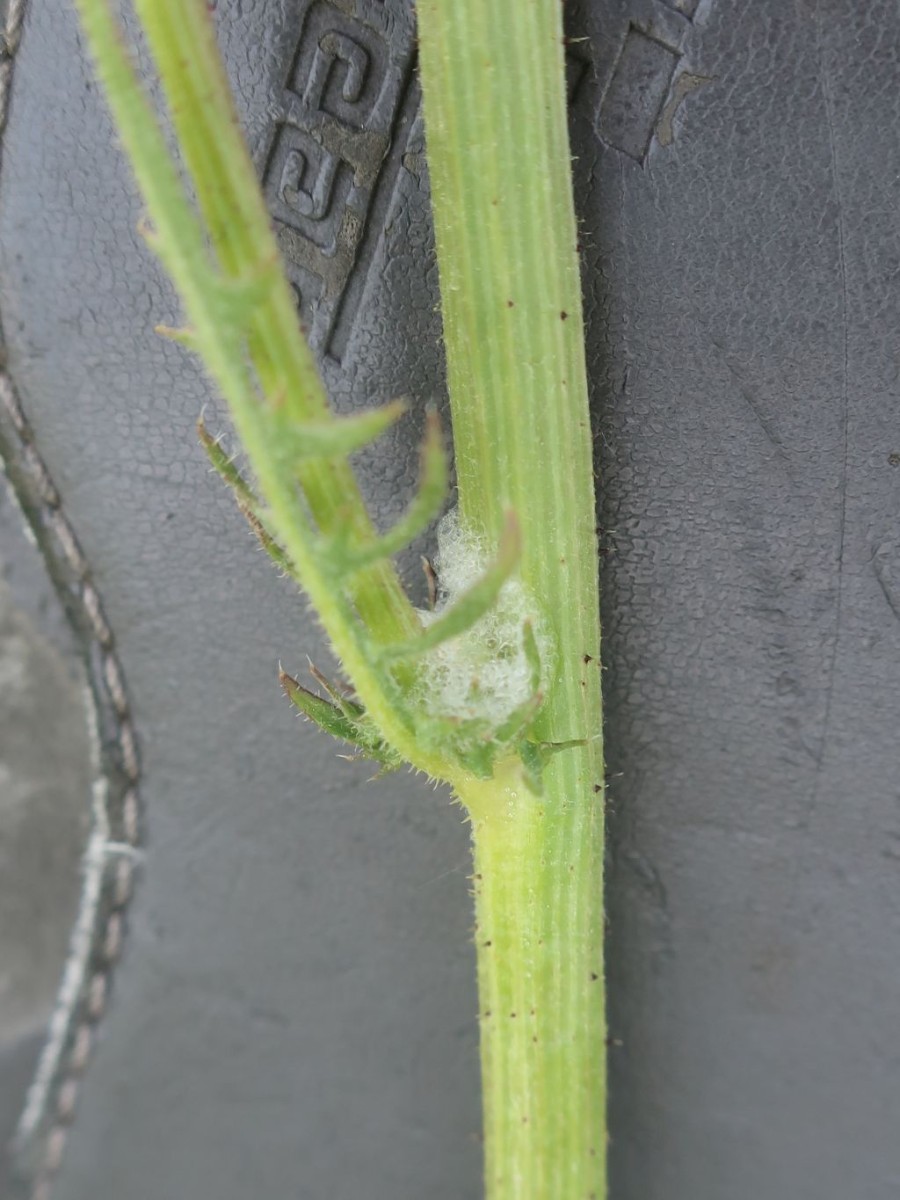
{"x": 539, "y": 936}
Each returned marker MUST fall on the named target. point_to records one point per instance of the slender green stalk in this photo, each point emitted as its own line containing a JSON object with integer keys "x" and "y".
{"x": 223, "y": 296}
{"x": 498, "y": 153}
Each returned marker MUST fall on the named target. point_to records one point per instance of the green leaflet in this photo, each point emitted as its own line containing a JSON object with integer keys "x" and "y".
{"x": 472, "y": 605}
{"x": 296, "y": 441}
{"x": 244, "y": 496}
{"x": 425, "y": 507}
{"x": 334, "y": 719}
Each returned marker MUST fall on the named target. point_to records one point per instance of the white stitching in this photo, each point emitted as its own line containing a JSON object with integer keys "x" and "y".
{"x": 15, "y": 15}
{"x": 62, "y": 531}
{"x": 10, "y": 399}
{"x": 47, "y": 492}
{"x": 9, "y": 43}
{"x": 94, "y": 610}
{"x": 96, "y": 942}
{"x": 131, "y": 818}
{"x": 65, "y": 1100}
{"x": 128, "y": 746}
{"x": 112, "y": 677}
{"x": 81, "y": 1049}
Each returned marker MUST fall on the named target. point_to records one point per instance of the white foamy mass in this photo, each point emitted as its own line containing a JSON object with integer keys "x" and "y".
{"x": 484, "y": 672}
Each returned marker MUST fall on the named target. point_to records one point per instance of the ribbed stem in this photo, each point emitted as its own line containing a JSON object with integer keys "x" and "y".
{"x": 539, "y": 934}
{"x": 496, "y": 128}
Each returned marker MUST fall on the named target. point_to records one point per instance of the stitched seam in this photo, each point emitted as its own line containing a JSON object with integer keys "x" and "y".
{"x": 112, "y": 852}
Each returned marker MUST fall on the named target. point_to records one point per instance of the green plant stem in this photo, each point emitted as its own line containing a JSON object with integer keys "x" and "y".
{"x": 239, "y": 294}
{"x": 498, "y": 153}
{"x": 182, "y": 41}
{"x": 540, "y": 982}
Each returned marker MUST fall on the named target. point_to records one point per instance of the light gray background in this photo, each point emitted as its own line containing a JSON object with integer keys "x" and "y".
{"x": 294, "y": 1014}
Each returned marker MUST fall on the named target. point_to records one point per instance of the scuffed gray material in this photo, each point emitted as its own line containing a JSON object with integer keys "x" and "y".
{"x": 294, "y": 1014}
{"x": 45, "y": 796}
{"x": 19, "y": 1058}
{"x": 750, "y": 419}
{"x": 44, "y": 801}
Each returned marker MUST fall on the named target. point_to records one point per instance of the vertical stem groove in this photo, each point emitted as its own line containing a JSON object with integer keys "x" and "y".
{"x": 493, "y": 80}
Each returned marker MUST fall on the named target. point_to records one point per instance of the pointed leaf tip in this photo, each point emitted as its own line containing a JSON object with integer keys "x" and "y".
{"x": 434, "y": 478}
{"x": 185, "y": 336}
{"x": 299, "y": 441}
{"x": 472, "y": 604}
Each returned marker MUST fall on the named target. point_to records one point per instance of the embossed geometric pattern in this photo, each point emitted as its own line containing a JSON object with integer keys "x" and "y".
{"x": 636, "y": 92}
{"x": 330, "y": 147}
{"x": 342, "y": 125}
{"x": 686, "y": 7}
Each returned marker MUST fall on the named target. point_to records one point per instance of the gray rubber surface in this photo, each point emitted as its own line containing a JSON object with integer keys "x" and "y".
{"x": 292, "y": 1014}
{"x": 45, "y": 792}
